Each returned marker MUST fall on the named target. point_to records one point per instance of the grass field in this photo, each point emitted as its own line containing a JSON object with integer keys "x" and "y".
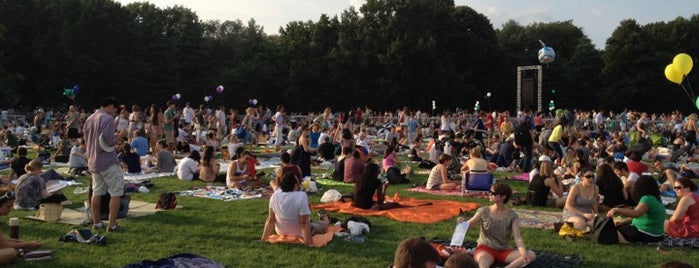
{"x": 227, "y": 232}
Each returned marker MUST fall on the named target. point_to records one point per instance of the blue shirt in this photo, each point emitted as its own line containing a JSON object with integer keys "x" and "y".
{"x": 140, "y": 144}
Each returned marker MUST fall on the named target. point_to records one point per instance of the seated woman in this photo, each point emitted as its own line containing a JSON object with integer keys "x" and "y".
{"x": 498, "y": 224}
{"x": 581, "y": 204}
{"x": 208, "y": 168}
{"x": 648, "y": 216}
{"x": 414, "y": 154}
{"x": 610, "y": 187}
{"x": 685, "y": 221}
{"x": 31, "y": 188}
{"x": 10, "y": 247}
{"x": 368, "y": 184}
{"x": 237, "y": 174}
{"x": 77, "y": 161}
{"x": 545, "y": 189}
{"x": 475, "y": 163}
{"x": 285, "y": 168}
{"x": 438, "y": 178}
{"x": 391, "y": 165}
{"x": 130, "y": 160}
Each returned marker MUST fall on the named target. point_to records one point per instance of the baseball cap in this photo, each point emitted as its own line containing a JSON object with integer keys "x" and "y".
{"x": 544, "y": 158}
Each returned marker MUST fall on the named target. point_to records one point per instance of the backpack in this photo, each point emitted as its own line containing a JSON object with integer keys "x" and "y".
{"x": 604, "y": 231}
{"x": 522, "y": 136}
{"x": 167, "y": 201}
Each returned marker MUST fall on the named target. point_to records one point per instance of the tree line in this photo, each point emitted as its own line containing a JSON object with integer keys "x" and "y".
{"x": 386, "y": 55}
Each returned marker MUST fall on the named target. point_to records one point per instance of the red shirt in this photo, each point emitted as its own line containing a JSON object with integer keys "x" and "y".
{"x": 636, "y": 167}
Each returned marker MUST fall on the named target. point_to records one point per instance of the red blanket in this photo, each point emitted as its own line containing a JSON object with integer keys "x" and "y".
{"x": 411, "y": 209}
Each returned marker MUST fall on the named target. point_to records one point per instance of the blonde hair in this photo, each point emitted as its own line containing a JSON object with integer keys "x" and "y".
{"x": 476, "y": 152}
{"x": 33, "y": 165}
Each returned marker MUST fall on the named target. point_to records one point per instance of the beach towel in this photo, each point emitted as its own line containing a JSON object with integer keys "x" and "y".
{"x": 423, "y": 189}
{"x": 138, "y": 178}
{"x": 319, "y": 240}
{"x": 77, "y": 216}
{"x": 537, "y": 218}
{"x": 228, "y": 194}
{"x": 179, "y": 260}
{"x": 521, "y": 177}
{"x": 411, "y": 209}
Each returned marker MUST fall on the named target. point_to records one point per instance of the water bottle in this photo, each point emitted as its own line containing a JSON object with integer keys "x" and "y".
{"x": 14, "y": 228}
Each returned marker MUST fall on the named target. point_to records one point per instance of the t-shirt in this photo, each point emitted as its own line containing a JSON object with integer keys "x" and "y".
{"x": 327, "y": 151}
{"x": 496, "y": 233}
{"x": 186, "y": 169}
{"x": 353, "y": 169}
{"x": 76, "y": 161}
{"x": 132, "y": 161}
{"x": 652, "y": 221}
{"x": 28, "y": 191}
{"x": 166, "y": 161}
{"x": 18, "y": 164}
{"x": 288, "y": 207}
{"x": 140, "y": 144}
{"x": 556, "y": 134}
{"x": 364, "y": 198}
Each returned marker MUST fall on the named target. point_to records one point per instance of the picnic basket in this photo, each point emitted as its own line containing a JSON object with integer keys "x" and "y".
{"x": 49, "y": 212}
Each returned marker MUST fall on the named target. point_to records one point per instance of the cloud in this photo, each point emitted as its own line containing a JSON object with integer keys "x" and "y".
{"x": 596, "y": 12}
{"x": 357, "y": 3}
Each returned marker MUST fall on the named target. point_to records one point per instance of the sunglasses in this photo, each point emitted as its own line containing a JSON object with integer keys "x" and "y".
{"x": 678, "y": 187}
{"x": 7, "y": 195}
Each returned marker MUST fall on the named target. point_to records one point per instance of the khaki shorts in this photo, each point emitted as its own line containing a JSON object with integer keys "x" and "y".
{"x": 169, "y": 136}
{"x": 110, "y": 180}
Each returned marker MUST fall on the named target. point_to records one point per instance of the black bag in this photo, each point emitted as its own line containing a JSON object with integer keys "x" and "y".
{"x": 167, "y": 201}
{"x": 604, "y": 232}
{"x": 522, "y": 135}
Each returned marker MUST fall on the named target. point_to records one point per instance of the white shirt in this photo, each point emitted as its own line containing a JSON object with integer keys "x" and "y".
{"x": 181, "y": 135}
{"x": 288, "y": 207}
{"x": 186, "y": 168}
{"x": 188, "y": 113}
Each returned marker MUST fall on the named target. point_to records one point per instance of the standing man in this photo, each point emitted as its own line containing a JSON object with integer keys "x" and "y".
{"x": 188, "y": 114}
{"x": 103, "y": 163}
{"x": 279, "y": 123}
{"x": 170, "y": 116}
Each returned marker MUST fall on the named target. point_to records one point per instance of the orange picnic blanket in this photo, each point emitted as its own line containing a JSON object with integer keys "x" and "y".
{"x": 319, "y": 240}
{"x": 411, "y": 209}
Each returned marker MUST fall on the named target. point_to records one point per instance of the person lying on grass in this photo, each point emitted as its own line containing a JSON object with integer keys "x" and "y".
{"x": 498, "y": 224}
{"x": 289, "y": 213}
{"x": 368, "y": 184}
{"x": 10, "y": 248}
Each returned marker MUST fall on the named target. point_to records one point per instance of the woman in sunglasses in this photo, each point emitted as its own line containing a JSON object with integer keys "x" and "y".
{"x": 581, "y": 204}
{"x": 498, "y": 224}
{"x": 685, "y": 221}
{"x": 10, "y": 248}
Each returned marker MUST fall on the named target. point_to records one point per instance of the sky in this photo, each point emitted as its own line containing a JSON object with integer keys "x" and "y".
{"x": 597, "y": 18}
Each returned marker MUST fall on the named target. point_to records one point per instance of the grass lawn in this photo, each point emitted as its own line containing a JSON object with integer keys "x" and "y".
{"x": 227, "y": 232}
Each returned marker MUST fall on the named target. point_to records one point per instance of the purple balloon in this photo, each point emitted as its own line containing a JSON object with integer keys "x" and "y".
{"x": 219, "y": 89}
{"x": 174, "y": 97}
{"x": 250, "y": 101}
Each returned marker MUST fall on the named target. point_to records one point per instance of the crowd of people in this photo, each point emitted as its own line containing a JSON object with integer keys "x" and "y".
{"x": 586, "y": 163}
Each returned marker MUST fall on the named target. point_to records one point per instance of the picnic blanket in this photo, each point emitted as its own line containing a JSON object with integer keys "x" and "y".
{"x": 537, "y": 218}
{"x": 521, "y": 177}
{"x": 411, "y": 209}
{"x": 319, "y": 240}
{"x": 543, "y": 258}
{"x": 273, "y": 162}
{"x": 329, "y": 182}
{"x": 671, "y": 241}
{"x": 179, "y": 260}
{"x": 228, "y": 194}
{"x": 141, "y": 177}
{"x": 77, "y": 216}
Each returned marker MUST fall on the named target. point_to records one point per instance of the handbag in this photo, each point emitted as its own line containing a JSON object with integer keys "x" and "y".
{"x": 604, "y": 231}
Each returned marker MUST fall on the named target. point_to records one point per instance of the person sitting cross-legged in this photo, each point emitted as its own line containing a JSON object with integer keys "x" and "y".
{"x": 289, "y": 213}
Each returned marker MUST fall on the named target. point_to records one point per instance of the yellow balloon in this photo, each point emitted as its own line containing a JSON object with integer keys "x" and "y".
{"x": 683, "y": 63}
{"x": 672, "y": 74}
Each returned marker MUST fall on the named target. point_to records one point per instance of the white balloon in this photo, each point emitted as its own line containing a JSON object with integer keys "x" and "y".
{"x": 178, "y": 96}
{"x": 206, "y": 99}
{"x": 254, "y": 102}
{"x": 488, "y": 94}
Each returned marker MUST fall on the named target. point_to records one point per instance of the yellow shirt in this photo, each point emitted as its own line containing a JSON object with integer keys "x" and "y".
{"x": 556, "y": 134}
